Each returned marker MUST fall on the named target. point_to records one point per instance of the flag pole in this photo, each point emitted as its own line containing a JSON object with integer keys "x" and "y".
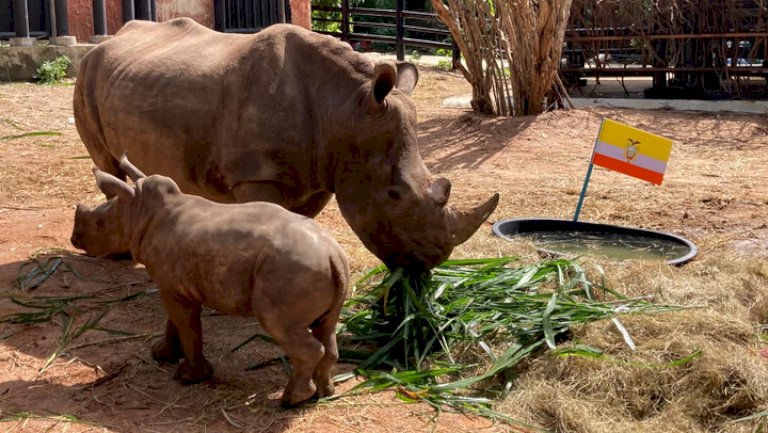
{"x": 583, "y": 192}
{"x": 589, "y": 174}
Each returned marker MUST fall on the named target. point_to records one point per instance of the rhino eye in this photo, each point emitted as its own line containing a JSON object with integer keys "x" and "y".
{"x": 394, "y": 195}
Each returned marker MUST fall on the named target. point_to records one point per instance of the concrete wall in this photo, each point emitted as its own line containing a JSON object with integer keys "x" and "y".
{"x": 20, "y": 63}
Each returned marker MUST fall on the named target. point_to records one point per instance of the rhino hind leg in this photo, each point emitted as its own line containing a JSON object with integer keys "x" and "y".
{"x": 325, "y": 333}
{"x": 303, "y": 351}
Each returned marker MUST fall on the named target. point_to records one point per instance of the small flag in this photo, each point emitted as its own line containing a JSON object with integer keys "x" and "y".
{"x": 632, "y": 151}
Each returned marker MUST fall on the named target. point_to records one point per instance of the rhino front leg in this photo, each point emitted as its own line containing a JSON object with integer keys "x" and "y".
{"x": 185, "y": 318}
{"x": 168, "y": 350}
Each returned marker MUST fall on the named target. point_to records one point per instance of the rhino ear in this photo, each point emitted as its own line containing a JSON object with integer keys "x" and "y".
{"x": 407, "y": 77}
{"x": 112, "y": 186}
{"x": 384, "y": 80}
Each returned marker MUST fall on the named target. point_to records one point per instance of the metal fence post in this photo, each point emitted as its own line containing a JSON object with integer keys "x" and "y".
{"x": 145, "y": 10}
{"x": 280, "y": 11}
{"x": 400, "y": 30}
{"x": 129, "y": 11}
{"x": 60, "y": 25}
{"x": 220, "y": 14}
{"x": 62, "y": 21}
{"x": 99, "y": 18}
{"x": 345, "y": 20}
{"x": 21, "y": 19}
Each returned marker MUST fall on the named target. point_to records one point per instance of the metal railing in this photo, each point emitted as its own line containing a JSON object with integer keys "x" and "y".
{"x": 56, "y": 22}
{"x": 717, "y": 64}
{"x": 401, "y": 28}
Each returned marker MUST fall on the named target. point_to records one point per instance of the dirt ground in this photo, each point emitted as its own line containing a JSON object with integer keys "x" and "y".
{"x": 715, "y": 193}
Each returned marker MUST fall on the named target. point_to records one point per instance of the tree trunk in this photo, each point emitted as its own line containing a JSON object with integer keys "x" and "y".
{"x": 512, "y": 51}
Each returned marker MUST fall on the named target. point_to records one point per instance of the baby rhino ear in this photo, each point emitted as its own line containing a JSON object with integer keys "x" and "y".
{"x": 383, "y": 81}
{"x": 112, "y": 186}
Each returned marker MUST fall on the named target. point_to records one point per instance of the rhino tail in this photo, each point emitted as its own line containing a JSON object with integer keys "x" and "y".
{"x": 340, "y": 270}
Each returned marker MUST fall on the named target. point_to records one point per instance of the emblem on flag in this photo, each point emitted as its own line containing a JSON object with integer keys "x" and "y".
{"x": 632, "y": 151}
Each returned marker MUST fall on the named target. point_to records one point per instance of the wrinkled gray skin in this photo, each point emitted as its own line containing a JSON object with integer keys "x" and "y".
{"x": 285, "y": 116}
{"x": 251, "y": 259}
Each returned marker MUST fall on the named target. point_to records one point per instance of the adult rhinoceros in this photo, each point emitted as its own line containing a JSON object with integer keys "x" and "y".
{"x": 285, "y": 116}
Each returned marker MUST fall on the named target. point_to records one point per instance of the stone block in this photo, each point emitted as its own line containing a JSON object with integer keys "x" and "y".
{"x": 65, "y": 41}
{"x": 22, "y": 42}
{"x": 19, "y": 63}
{"x": 97, "y": 39}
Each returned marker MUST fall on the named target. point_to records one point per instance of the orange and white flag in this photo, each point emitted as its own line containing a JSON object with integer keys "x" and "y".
{"x": 632, "y": 151}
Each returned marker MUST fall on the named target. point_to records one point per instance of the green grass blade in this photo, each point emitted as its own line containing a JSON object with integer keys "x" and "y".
{"x": 30, "y": 134}
{"x": 546, "y": 322}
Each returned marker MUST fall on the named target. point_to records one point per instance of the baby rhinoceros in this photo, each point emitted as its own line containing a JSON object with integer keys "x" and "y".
{"x": 253, "y": 259}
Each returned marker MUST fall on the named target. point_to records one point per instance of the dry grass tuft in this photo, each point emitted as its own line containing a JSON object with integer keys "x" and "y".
{"x": 729, "y": 381}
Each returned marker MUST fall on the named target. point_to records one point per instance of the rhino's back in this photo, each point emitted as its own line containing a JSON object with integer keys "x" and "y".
{"x": 179, "y": 47}
{"x": 205, "y": 108}
{"x": 218, "y": 253}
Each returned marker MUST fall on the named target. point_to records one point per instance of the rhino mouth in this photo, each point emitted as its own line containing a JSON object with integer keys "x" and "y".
{"x": 421, "y": 249}
{"x": 76, "y": 242}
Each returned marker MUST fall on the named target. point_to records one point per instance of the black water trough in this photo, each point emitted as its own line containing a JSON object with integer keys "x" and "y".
{"x": 569, "y": 238}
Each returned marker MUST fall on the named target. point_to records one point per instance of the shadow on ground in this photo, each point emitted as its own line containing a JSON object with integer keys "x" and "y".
{"x": 78, "y": 331}
{"x": 468, "y": 141}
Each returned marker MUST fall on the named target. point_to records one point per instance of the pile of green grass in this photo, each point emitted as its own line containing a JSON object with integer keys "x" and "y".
{"x": 455, "y": 336}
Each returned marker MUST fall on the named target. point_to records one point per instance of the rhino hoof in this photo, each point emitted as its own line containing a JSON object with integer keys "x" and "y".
{"x": 288, "y": 405}
{"x": 297, "y": 398}
{"x": 187, "y": 374}
{"x": 325, "y": 390}
{"x": 165, "y": 353}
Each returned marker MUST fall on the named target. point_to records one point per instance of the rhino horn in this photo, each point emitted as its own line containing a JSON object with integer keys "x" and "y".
{"x": 463, "y": 224}
{"x": 131, "y": 170}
